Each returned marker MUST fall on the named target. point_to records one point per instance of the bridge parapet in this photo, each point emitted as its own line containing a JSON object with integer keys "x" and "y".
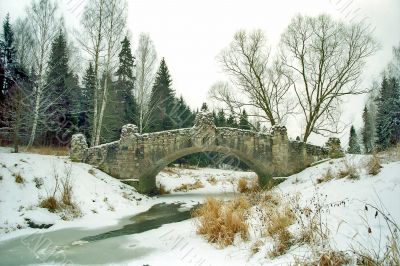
{"x": 142, "y": 156}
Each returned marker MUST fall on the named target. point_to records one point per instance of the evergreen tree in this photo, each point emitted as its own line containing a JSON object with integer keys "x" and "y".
{"x": 204, "y": 107}
{"x": 162, "y": 101}
{"x": 8, "y": 62}
{"x": 85, "y": 119}
{"x": 388, "y": 116}
{"x": 126, "y": 83}
{"x": 354, "y": 147}
{"x": 244, "y": 121}
{"x": 62, "y": 85}
{"x": 367, "y": 132}
{"x": 221, "y": 120}
{"x": 231, "y": 121}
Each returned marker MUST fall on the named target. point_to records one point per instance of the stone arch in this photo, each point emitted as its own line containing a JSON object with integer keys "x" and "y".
{"x": 147, "y": 179}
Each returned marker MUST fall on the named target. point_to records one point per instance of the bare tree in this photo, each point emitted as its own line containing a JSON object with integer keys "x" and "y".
{"x": 256, "y": 84}
{"x": 44, "y": 26}
{"x": 114, "y": 31}
{"x": 326, "y": 59}
{"x": 92, "y": 39}
{"x": 146, "y": 58}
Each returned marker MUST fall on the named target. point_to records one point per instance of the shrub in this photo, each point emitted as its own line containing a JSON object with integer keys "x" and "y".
{"x": 334, "y": 258}
{"x": 19, "y": 179}
{"x": 50, "y": 203}
{"x": 220, "y": 221}
{"x": 374, "y": 165}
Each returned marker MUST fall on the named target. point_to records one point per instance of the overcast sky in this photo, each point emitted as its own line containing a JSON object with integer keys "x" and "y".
{"x": 190, "y": 34}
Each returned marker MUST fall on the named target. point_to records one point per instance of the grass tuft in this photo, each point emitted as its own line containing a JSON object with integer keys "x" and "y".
{"x": 219, "y": 222}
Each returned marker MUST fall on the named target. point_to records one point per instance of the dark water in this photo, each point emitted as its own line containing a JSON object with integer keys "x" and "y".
{"x": 155, "y": 217}
{"x": 88, "y": 246}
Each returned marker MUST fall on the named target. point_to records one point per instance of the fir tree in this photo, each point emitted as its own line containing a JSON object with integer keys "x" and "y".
{"x": 367, "y": 132}
{"x": 244, "y": 121}
{"x": 388, "y": 116}
{"x": 231, "y": 121}
{"x": 8, "y": 64}
{"x": 204, "y": 107}
{"x": 85, "y": 119}
{"x": 221, "y": 120}
{"x": 62, "y": 85}
{"x": 162, "y": 101}
{"x": 354, "y": 147}
{"x": 125, "y": 84}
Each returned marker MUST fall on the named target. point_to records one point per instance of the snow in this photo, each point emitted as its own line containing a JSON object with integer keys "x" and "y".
{"x": 104, "y": 201}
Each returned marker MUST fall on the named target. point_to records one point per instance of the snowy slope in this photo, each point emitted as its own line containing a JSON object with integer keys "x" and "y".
{"x": 94, "y": 192}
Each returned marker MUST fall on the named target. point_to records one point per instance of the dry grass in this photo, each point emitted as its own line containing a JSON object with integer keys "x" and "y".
{"x": 374, "y": 165}
{"x": 220, "y": 221}
{"x": 349, "y": 171}
{"x": 19, "y": 179}
{"x": 212, "y": 180}
{"x": 169, "y": 170}
{"x": 278, "y": 217}
{"x": 248, "y": 186}
{"x": 186, "y": 187}
{"x": 49, "y": 150}
{"x": 162, "y": 190}
{"x": 334, "y": 258}
{"x": 50, "y": 203}
{"x": 326, "y": 177}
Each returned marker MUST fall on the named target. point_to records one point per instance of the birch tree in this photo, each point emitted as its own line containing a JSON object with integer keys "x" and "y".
{"x": 44, "y": 24}
{"x": 114, "y": 30}
{"x": 146, "y": 58}
{"x": 92, "y": 39}
{"x": 325, "y": 59}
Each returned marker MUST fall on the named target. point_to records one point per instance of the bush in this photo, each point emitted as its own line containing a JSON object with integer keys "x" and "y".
{"x": 374, "y": 165}
{"x": 220, "y": 221}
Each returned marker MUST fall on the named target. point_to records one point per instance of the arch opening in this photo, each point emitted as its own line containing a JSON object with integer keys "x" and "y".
{"x": 147, "y": 180}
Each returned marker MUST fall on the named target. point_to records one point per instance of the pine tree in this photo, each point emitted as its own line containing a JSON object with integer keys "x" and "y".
{"x": 354, "y": 147}
{"x": 162, "y": 101}
{"x": 126, "y": 83}
{"x": 221, "y": 120}
{"x": 204, "y": 107}
{"x": 62, "y": 85}
{"x": 388, "y": 116}
{"x": 231, "y": 121}
{"x": 367, "y": 132}
{"x": 244, "y": 121}
{"x": 85, "y": 118}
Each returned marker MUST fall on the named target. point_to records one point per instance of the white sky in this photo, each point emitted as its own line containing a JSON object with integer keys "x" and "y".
{"x": 190, "y": 34}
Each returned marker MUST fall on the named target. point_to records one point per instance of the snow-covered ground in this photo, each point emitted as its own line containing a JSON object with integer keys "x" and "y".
{"x": 105, "y": 201}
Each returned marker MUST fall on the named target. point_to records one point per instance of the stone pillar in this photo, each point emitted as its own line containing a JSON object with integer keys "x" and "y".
{"x": 78, "y": 147}
{"x": 128, "y": 133}
{"x": 334, "y": 148}
{"x": 280, "y": 150}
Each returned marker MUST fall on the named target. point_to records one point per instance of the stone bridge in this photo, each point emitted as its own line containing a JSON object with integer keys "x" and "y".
{"x": 142, "y": 156}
